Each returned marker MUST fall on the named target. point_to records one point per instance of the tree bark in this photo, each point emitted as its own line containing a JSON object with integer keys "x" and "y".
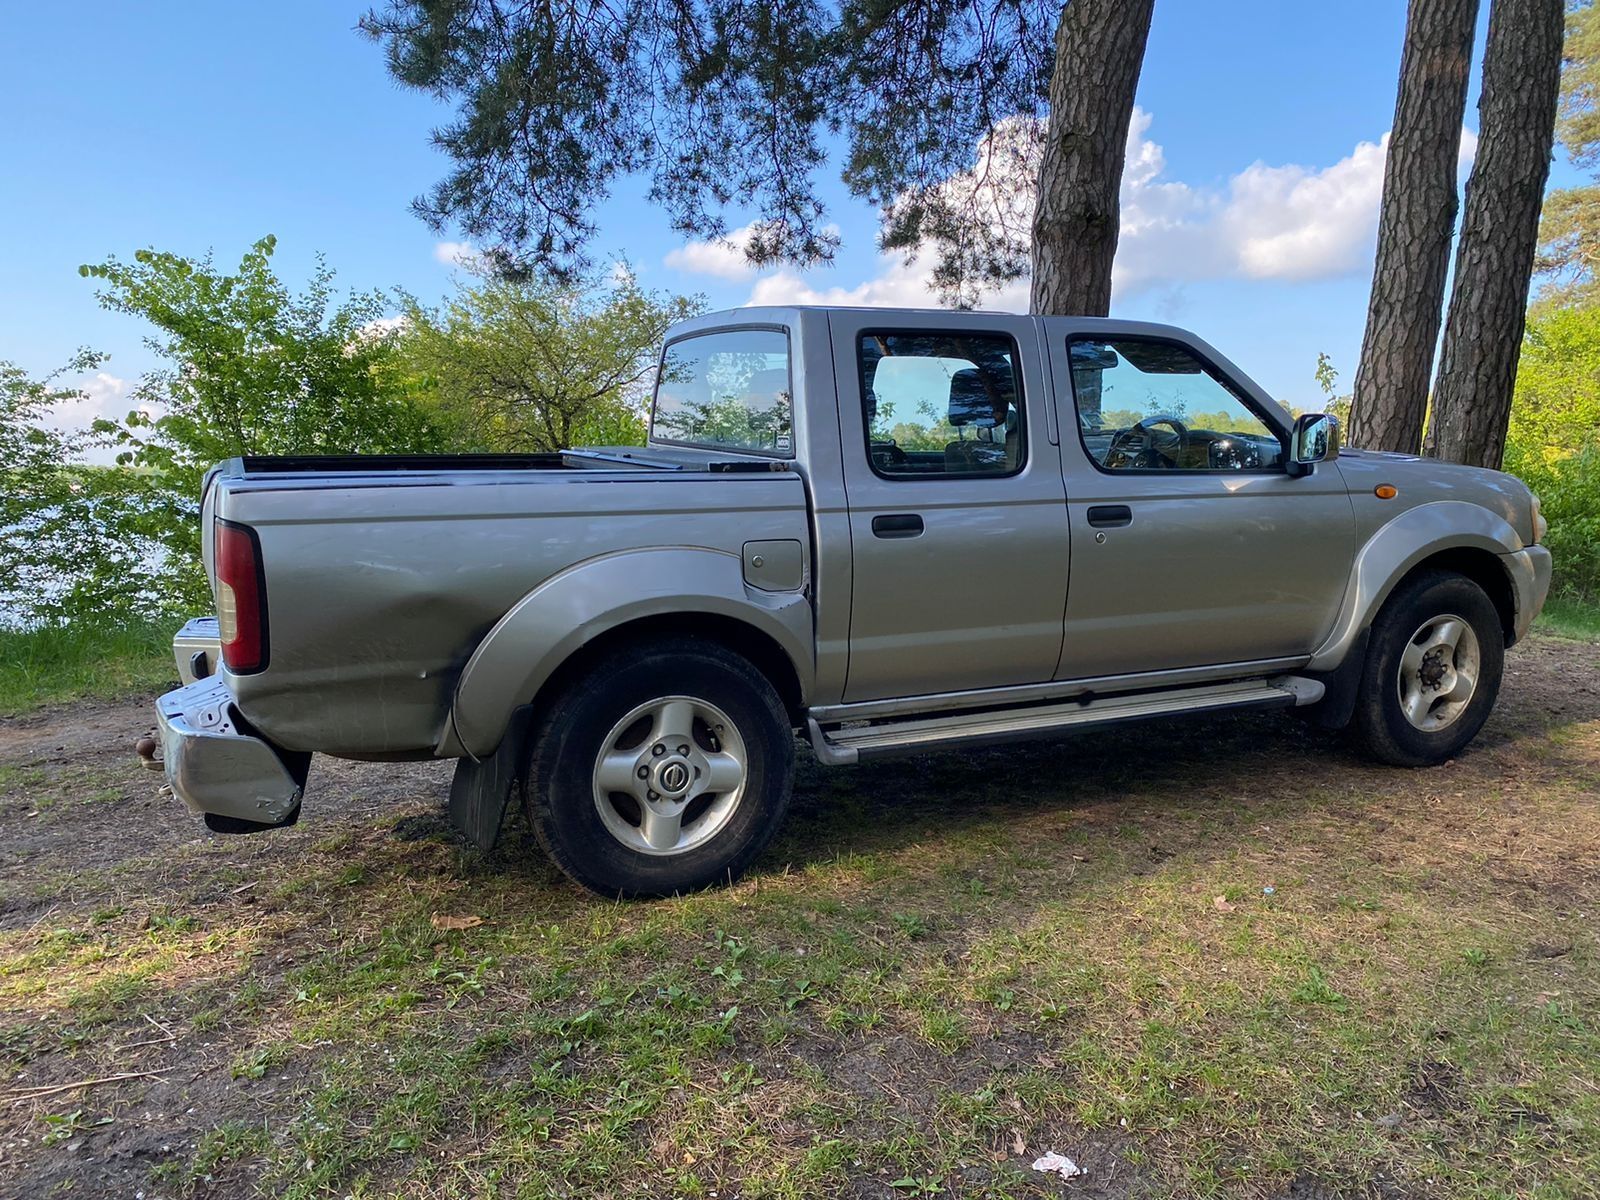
{"x": 1417, "y": 220}
{"x": 1099, "y": 52}
{"x": 1494, "y": 261}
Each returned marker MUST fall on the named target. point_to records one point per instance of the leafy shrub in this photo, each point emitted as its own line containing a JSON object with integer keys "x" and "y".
{"x": 1553, "y": 442}
{"x": 70, "y": 534}
{"x": 528, "y": 364}
{"x": 252, "y": 368}
{"x": 1568, "y": 485}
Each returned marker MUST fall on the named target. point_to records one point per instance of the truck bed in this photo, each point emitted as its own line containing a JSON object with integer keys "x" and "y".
{"x": 384, "y": 573}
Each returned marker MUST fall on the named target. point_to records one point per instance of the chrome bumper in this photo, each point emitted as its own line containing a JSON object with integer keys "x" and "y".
{"x": 218, "y": 766}
{"x": 1529, "y": 569}
{"x": 198, "y": 649}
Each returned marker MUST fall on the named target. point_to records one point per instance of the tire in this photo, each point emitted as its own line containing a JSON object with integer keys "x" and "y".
{"x": 1423, "y": 695}
{"x": 626, "y": 715}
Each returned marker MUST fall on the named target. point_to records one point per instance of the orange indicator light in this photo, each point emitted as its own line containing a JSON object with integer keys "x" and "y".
{"x": 1386, "y": 491}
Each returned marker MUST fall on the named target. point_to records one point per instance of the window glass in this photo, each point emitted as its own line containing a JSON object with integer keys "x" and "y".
{"x": 941, "y": 403}
{"x": 1149, "y": 405}
{"x": 728, "y": 389}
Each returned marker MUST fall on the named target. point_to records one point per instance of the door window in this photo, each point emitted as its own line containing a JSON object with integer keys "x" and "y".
{"x": 941, "y": 404}
{"x": 1150, "y": 405}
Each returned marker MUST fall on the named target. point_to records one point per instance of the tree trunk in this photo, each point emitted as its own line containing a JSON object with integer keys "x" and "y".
{"x": 1483, "y": 332}
{"x": 1417, "y": 220}
{"x": 1099, "y": 51}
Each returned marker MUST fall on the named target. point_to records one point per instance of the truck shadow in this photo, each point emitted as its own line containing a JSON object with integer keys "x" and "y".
{"x": 1226, "y": 766}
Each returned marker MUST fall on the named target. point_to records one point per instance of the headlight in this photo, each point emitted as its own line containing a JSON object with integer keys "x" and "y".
{"x": 1540, "y": 525}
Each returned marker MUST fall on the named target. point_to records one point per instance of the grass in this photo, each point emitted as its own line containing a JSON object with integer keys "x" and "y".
{"x": 58, "y": 663}
{"x": 1570, "y": 617}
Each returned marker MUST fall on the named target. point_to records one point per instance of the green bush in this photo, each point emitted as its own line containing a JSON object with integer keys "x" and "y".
{"x": 1568, "y": 486}
{"x": 1553, "y": 443}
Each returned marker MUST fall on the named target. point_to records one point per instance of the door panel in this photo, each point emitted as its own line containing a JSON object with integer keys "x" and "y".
{"x": 1206, "y": 570}
{"x": 1187, "y": 568}
{"x": 959, "y": 578}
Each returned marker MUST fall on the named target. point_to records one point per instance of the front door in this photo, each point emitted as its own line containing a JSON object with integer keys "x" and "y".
{"x": 1191, "y": 543}
{"x": 957, "y": 516}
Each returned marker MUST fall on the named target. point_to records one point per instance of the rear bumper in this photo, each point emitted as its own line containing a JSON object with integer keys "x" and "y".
{"x": 218, "y": 765}
{"x": 1529, "y": 569}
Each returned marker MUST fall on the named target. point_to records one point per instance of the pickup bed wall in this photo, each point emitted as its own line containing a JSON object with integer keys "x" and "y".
{"x": 379, "y": 588}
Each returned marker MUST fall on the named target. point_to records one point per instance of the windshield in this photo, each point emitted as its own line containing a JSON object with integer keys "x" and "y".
{"x": 726, "y": 389}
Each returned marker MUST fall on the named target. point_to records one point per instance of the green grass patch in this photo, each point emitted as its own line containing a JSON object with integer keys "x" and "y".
{"x": 57, "y": 663}
{"x": 1570, "y": 618}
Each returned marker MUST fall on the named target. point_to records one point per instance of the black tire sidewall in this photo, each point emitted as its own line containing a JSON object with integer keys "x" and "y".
{"x": 567, "y": 739}
{"x": 1381, "y": 722}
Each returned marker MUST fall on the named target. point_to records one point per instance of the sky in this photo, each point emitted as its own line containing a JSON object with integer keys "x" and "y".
{"x": 1250, "y": 196}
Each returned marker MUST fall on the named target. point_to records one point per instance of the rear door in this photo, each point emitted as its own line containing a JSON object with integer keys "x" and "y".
{"x": 1192, "y": 546}
{"x": 957, "y": 514}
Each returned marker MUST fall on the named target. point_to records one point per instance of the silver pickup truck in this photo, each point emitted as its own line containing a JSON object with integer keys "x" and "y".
{"x": 887, "y": 530}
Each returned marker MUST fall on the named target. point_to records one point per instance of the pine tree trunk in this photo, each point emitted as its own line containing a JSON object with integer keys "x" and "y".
{"x": 1414, "y": 229}
{"x": 1494, "y": 261}
{"x": 1099, "y": 51}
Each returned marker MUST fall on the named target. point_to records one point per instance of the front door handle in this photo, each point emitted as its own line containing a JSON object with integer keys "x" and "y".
{"x": 897, "y": 525}
{"x": 1110, "y": 516}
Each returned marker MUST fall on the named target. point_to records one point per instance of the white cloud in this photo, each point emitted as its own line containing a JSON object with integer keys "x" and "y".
{"x": 456, "y": 254}
{"x": 722, "y": 258}
{"x": 1289, "y": 223}
{"x": 383, "y": 326}
{"x": 897, "y": 284}
{"x": 725, "y": 257}
{"x": 101, "y": 395}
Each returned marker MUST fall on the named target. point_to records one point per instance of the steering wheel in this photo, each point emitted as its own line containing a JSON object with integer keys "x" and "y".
{"x": 1138, "y": 446}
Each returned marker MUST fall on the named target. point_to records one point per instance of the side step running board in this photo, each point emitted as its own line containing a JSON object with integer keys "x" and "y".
{"x": 845, "y": 744}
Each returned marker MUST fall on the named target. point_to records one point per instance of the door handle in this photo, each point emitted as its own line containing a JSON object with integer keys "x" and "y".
{"x": 1110, "y": 516}
{"x": 897, "y": 525}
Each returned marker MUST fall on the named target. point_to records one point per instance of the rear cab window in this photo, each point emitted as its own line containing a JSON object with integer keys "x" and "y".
{"x": 941, "y": 404}
{"x": 726, "y": 390}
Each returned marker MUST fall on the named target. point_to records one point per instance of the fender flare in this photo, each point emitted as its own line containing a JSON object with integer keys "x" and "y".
{"x": 1397, "y": 547}
{"x": 569, "y": 609}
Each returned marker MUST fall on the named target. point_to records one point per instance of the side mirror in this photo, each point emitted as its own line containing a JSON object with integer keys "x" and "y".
{"x": 1314, "y": 439}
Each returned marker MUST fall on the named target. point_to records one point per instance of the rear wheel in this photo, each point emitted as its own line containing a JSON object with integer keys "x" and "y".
{"x": 1433, "y": 671}
{"x": 664, "y": 768}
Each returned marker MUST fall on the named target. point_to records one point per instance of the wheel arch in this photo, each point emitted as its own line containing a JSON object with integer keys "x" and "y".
{"x": 1450, "y": 535}
{"x": 1484, "y": 569}
{"x": 573, "y": 618}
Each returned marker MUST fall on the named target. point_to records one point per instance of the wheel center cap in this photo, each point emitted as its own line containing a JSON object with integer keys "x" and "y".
{"x": 673, "y": 777}
{"x": 1433, "y": 669}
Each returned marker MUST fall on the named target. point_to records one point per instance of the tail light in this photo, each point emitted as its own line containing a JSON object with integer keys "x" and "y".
{"x": 241, "y": 598}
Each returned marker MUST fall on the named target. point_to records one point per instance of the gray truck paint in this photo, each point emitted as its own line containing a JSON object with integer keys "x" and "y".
{"x": 411, "y": 612}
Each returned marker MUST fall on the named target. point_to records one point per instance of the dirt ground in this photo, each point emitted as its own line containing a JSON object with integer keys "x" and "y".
{"x": 219, "y": 977}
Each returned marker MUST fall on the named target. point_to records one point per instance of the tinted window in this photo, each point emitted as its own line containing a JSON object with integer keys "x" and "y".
{"x": 941, "y": 403}
{"x": 727, "y": 389}
{"x": 1150, "y": 405}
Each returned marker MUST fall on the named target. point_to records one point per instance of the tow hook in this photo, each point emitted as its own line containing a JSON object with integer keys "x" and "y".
{"x": 146, "y": 748}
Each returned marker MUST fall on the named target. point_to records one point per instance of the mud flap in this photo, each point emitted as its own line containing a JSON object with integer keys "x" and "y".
{"x": 1343, "y": 683}
{"x": 481, "y": 790}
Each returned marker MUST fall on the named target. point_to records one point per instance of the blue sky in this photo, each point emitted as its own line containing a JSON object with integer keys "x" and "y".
{"x": 190, "y": 126}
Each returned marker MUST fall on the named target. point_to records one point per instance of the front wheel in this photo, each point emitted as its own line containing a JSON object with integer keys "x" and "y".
{"x": 664, "y": 768}
{"x": 1433, "y": 671}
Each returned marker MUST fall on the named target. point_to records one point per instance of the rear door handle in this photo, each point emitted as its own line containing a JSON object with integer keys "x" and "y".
{"x": 1110, "y": 516}
{"x": 897, "y": 525}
